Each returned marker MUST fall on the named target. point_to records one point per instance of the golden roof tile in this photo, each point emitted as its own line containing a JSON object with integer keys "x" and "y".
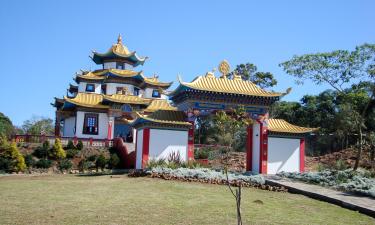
{"x": 127, "y": 99}
{"x": 165, "y": 117}
{"x": 91, "y": 100}
{"x": 159, "y": 104}
{"x": 279, "y": 125}
{"x": 224, "y": 85}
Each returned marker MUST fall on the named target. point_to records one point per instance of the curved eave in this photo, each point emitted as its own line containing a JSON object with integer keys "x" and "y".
{"x": 99, "y": 58}
{"x": 75, "y": 103}
{"x": 159, "y": 84}
{"x": 139, "y": 101}
{"x": 144, "y": 119}
{"x": 281, "y": 126}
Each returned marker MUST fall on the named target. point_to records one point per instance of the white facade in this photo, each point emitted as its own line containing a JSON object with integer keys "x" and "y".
{"x": 138, "y": 159}
{"x": 69, "y": 126}
{"x": 112, "y": 88}
{"x": 283, "y": 155}
{"x": 148, "y": 93}
{"x": 256, "y": 147}
{"x": 82, "y": 87}
{"x": 102, "y": 125}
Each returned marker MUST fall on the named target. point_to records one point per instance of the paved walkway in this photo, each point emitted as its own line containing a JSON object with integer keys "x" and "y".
{"x": 362, "y": 204}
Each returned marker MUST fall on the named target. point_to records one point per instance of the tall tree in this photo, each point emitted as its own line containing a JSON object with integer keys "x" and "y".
{"x": 249, "y": 72}
{"x": 6, "y": 126}
{"x": 38, "y": 125}
{"x": 337, "y": 69}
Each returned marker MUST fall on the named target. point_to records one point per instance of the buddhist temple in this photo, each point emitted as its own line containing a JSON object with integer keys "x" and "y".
{"x": 118, "y": 101}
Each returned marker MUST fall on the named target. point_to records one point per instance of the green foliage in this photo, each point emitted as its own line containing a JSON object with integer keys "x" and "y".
{"x": 41, "y": 151}
{"x": 83, "y": 165}
{"x": 43, "y": 163}
{"x": 18, "y": 161}
{"x": 71, "y": 153}
{"x": 248, "y": 71}
{"x": 201, "y": 153}
{"x": 79, "y": 145}
{"x": 70, "y": 145}
{"x": 152, "y": 163}
{"x": 6, "y": 126}
{"x": 38, "y": 125}
{"x": 65, "y": 165}
{"x": 5, "y": 164}
{"x": 29, "y": 160}
{"x": 91, "y": 158}
{"x": 101, "y": 162}
{"x": 114, "y": 161}
{"x": 57, "y": 150}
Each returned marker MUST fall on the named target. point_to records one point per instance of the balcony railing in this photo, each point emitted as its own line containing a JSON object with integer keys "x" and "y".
{"x": 88, "y": 142}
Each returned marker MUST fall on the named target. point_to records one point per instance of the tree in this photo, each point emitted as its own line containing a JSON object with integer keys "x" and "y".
{"x": 100, "y": 162}
{"x": 337, "y": 69}
{"x": 57, "y": 150}
{"x": 38, "y": 125}
{"x": 249, "y": 72}
{"x": 6, "y": 126}
{"x": 11, "y": 152}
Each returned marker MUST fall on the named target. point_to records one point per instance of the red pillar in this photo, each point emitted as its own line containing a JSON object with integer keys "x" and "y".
{"x": 249, "y": 148}
{"x": 263, "y": 151}
{"x": 145, "y": 146}
{"x": 109, "y": 133}
{"x": 302, "y": 155}
{"x": 191, "y": 142}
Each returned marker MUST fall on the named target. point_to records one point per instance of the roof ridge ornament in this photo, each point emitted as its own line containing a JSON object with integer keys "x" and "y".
{"x": 224, "y": 68}
{"x": 119, "y": 39}
{"x": 211, "y": 74}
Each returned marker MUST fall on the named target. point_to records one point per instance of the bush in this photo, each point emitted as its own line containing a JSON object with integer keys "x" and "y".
{"x": 71, "y": 153}
{"x": 114, "y": 161}
{"x": 91, "y": 158}
{"x": 57, "y": 150}
{"x": 43, "y": 163}
{"x": 174, "y": 157}
{"x": 100, "y": 162}
{"x": 65, "y": 165}
{"x": 29, "y": 160}
{"x": 201, "y": 153}
{"x": 5, "y": 164}
{"x": 79, "y": 145}
{"x": 40, "y": 152}
{"x": 83, "y": 165}
{"x": 70, "y": 145}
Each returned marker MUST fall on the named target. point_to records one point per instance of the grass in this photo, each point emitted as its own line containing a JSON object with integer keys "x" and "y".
{"x": 68, "y": 199}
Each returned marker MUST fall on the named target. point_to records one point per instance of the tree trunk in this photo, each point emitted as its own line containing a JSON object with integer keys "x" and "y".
{"x": 359, "y": 151}
{"x": 238, "y": 201}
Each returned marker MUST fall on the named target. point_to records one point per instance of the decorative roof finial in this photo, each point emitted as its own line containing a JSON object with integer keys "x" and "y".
{"x": 224, "y": 68}
{"x": 119, "y": 39}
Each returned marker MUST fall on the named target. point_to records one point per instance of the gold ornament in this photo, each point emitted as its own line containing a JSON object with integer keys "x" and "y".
{"x": 224, "y": 68}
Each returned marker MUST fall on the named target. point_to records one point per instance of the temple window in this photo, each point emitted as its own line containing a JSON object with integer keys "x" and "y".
{"x": 120, "y": 66}
{"x": 104, "y": 89}
{"x": 90, "y": 124}
{"x": 90, "y": 87}
{"x": 136, "y": 91}
{"x": 155, "y": 94}
{"x": 119, "y": 90}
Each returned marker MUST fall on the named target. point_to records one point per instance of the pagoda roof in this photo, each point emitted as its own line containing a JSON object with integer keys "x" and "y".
{"x": 100, "y": 75}
{"x": 166, "y": 117}
{"x": 127, "y": 99}
{"x": 224, "y": 85}
{"x": 282, "y": 126}
{"x": 160, "y": 104}
{"x": 118, "y": 51}
{"x": 90, "y": 100}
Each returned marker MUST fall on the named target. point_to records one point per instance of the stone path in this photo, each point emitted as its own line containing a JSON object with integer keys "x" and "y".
{"x": 362, "y": 204}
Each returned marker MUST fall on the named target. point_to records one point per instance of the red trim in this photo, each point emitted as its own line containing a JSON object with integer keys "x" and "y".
{"x": 302, "y": 155}
{"x": 263, "y": 145}
{"x": 191, "y": 142}
{"x": 109, "y": 134}
{"x": 146, "y": 146}
{"x": 136, "y": 144}
{"x": 249, "y": 148}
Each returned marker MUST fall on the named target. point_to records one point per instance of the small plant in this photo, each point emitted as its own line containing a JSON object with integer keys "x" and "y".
{"x": 57, "y": 150}
{"x": 79, "y": 145}
{"x": 65, "y": 165}
{"x": 174, "y": 157}
{"x": 40, "y": 152}
{"x": 202, "y": 153}
{"x": 91, "y": 158}
{"x": 100, "y": 162}
{"x": 29, "y": 160}
{"x": 71, "y": 153}
{"x": 152, "y": 163}
{"x": 43, "y": 163}
{"x": 70, "y": 145}
{"x": 341, "y": 165}
{"x": 114, "y": 161}
{"x": 5, "y": 164}
{"x": 83, "y": 165}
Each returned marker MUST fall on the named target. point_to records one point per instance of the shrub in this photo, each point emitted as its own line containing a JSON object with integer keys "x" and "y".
{"x": 70, "y": 145}
{"x": 65, "y": 165}
{"x": 174, "y": 157}
{"x": 40, "y": 152}
{"x": 156, "y": 163}
{"x": 91, "y": 158}
{"x": 70, "y": 153}
{"x": 79, "y": 145}
{"x": 29, "y": 160}
{"x": 201, "y": 153}
{"x": 5, "y": 164}
{"x": 100, "y": 162}
{"x": 57, "y": 150}
{"x": 114, "y": 161}
{"x": 83, "y": 165}
{"x": 18, "y": 161}
{"x": 45, "y": 145}
{"x": 43, "y": 163}
{"x": 341, "y": 165}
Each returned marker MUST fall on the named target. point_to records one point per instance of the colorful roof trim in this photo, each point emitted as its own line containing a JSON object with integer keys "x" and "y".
{"x": 90, "y": 100}
{"x": 224, "y": 85}
{"x": 163, "y": 117}
{"x": 126, "y": 99}
{"x": 281, "y": 126}
{"x": 119, "y": 51}
{"x": 159, "y": 104}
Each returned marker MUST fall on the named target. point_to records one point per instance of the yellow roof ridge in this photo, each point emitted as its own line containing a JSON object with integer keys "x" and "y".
{"x": 280, "y": 125}
{"x": 129, "y": 99}
{"x": 91, "y": 100}
{"x": 159, "y": 104}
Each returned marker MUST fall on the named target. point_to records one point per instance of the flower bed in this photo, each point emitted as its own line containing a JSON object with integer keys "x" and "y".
{"x": 359, "y": 182}
{"x": 205, "y": 175}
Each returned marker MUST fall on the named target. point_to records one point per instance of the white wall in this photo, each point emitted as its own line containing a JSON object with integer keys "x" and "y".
{"x": 69, "y": 126}
{"x": 111, "y": 88}
{"x": 138, "y": 159}
{"x": 148, "y": 94}
{"x": 109, "y": 65}
{"x": 256, "y": 147}
{"x": 164, "y": 142}
{"x": 82, "y": 87}
{"x": 103, "y": 126}
{"x": 283, "y": 155}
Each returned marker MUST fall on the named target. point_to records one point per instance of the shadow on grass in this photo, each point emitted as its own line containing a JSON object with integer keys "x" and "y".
{"x": 105, "y": 173}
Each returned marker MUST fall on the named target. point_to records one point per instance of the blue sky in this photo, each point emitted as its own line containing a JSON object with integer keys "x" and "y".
{"x": 43, "y": 43}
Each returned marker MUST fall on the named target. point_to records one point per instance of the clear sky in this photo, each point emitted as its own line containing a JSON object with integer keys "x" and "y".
{"x": 43, "y": 43}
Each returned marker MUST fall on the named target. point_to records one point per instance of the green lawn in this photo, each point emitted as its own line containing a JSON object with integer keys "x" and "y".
{"x": 68, "y": 199}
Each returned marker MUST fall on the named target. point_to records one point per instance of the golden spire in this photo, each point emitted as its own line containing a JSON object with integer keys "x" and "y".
{"x": 224, "y": 68}
{"x": 119, "y": 39}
